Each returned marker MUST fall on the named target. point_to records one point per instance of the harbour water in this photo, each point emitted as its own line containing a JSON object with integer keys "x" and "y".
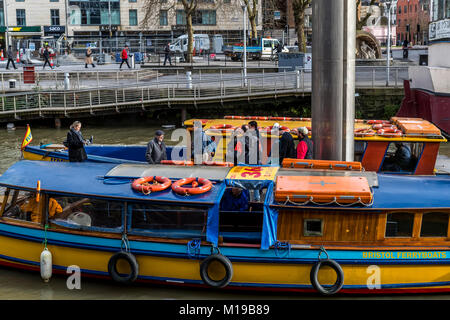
{"x": 15, "y": 284}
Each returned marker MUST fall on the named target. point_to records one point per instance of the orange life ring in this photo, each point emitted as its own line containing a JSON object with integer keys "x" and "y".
{"x": 223, "y": 127}
{"x": 218, "y": 163}
{"x": 282, "y": 128}
{"x": 390, "y": 132}
{"x": 379, "y": 126}
{"x": 377, "y": 121}
{"x": 206, "y": 185}
{"x": 234, "y": 117}
{"x": 364, "y": 132}
{"x": 178, "y": 162}
{"x": 143, "y": 184}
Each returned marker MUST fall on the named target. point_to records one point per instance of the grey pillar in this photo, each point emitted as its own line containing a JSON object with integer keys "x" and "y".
{"x": 333, "y": 76}
{"x": 183, "y": 115}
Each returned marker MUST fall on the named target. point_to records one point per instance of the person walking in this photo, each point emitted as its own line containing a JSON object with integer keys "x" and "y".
{"x": 124, "y": 57}
{"x": 89, "y": 59}
{"x": 156, "y": 149}
{"x": 305, "y": 145}
{"x": 46, "y": 55}
{"x": 167, "y": 54}
{"x": 405, "y": 49}
{"x": 10, "y": 55}
{"x": 75, "y": 142}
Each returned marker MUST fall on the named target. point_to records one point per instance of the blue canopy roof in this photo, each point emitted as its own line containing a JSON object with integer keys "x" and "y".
{"x": 89, "y": 179}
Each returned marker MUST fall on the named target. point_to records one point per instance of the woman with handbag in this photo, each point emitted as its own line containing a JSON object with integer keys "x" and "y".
{"x": 89, "y": 59}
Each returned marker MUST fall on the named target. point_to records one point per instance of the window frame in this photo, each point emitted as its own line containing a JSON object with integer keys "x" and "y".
{"x": 24, "y": 17}
{"x": 52, "y": 16}
{"x": 136, "y": 17}
{"x": 433, "y": 237}
{"x": 412, "y": 236}
{"x": 307, "y": 233}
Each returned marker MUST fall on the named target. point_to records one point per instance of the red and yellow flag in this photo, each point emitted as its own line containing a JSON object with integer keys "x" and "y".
{"x": 27, "y": 139}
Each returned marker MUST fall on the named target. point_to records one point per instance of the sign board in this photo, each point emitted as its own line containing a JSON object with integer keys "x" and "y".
{"x": 277, "y": 15}
{"x": 54, "y": 30}
{"x": 21, "y": 29}
{"x": 291, "y": 60}
{"x": 32, "y": 46}
{"x": 439, "y": 30}
{"x": 252, "y": 173}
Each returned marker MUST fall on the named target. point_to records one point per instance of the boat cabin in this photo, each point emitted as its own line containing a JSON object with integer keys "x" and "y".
{"x": 273, "y": 205}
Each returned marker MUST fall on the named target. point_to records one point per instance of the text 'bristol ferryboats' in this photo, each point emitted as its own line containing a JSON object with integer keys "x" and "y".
{"x": 340, "y": 230}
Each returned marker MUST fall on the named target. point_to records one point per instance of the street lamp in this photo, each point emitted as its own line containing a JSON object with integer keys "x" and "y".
{"x": 244, "y": 8}
{"x": 388, "y": 46}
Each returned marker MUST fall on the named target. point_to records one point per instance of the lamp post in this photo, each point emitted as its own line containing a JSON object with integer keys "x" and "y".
{"x": 6, "y": 25}
{"x": 388, "y": 42}
{"x": 244, "y": 8}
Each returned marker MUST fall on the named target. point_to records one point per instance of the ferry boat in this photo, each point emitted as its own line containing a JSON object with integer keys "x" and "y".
{"x": 374, "y": 142}
{"x": 334, "y": 231}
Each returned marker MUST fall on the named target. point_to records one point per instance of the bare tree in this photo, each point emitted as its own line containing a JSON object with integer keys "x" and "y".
{"x": 252, "y": 11}
{"x": 153, "y": 8}
{"x": 299, "y": 7}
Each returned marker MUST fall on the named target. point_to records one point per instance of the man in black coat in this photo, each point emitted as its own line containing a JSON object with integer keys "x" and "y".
{"x": 75, "y": 143}
{"x": 287, "y": 147}
{"x": 10, "y": 56}
{"x": 156, "y": 149}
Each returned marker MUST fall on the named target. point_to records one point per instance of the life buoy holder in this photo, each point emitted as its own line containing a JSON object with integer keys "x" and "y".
{"x": 223, "y": 127}
{"x": 226, "y": 264}
{"x": 339, "y": 280}
{"x": 146, "y": 186}
{"x": 282, "y": 128}
{"x": 178, "y": 162}
{"x": 131, "y": 260}
{"x": 364, "y": 132}
{"x": 199, "y": 186}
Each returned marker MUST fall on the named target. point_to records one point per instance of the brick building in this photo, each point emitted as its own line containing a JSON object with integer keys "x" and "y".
{"x": 412, "y": 21}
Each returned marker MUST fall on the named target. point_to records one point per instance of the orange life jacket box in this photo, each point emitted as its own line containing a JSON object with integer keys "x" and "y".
{"x": 321, "y": 164}
{"x": 323, "y": 189}
{"x": 416, "y": 126}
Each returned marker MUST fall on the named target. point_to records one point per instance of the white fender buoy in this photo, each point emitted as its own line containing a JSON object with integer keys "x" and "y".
{"x": 46, "y": 265}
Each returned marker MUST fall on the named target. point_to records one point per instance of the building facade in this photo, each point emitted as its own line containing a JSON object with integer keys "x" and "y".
{"x": 413, "y": 17}
{"x": 37, "y": 19}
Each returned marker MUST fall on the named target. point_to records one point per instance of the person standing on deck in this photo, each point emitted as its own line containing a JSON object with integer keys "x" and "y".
{"x": 156, "y": 149}
{"x": 305, "y": 145}
{"x": 75, "y": 142}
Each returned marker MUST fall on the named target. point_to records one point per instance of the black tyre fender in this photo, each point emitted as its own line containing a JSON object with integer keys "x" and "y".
{"x": 226, "y": 263}
{"x": 339, "y": 281}
{"x": 112, "y": 267}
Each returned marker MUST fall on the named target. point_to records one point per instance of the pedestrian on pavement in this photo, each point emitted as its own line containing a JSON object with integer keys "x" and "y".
{"x": 75, "y": 142}
{"x": 10, "y": 55}
{"x": 405, "y": 49}
{"x": 89, "y": 59}
{"x": 167, "y": 54}
{"x": 124, "y": 57}
{"x": 305, "y": 145}
{"x": 156, "y": 149}
{"x": 46, "y": 55}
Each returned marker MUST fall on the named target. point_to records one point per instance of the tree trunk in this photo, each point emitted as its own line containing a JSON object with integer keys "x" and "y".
{"x": 301, "y": 38}
{"x": 253, "y": 26}
{"x": 190, "y": 33}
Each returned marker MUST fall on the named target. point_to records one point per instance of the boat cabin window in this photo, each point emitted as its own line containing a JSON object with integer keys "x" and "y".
{"x": 312, "y": 227}
{"x": 402, "y": 157}
{"x": 22, "y": 205}
{"x": 399, "y": 224}
{"x": 167, "y": 221}
{"x": 240, "y": 219}
{"x": 434, "y": 224}
{"x": 86, "y": 213}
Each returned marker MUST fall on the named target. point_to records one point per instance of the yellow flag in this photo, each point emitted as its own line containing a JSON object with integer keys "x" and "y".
{"x": 27, "y": 139}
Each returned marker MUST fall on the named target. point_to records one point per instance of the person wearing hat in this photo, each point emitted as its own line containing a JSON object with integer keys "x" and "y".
{"x": 286, "y": 146}
{"x": 156, "y": 149}
{"x": 305, "y": 145}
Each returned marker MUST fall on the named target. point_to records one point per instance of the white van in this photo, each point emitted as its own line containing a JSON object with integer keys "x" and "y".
{"x": 201, "y": 43}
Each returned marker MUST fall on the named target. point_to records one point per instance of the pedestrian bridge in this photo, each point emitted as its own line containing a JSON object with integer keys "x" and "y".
{"x": 137, "y": 97}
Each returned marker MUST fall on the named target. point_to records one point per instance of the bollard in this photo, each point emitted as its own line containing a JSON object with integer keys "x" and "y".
{"x": 297, "y": 79}
{"x": 189, "y": 80}
{"x": 66, "y": 81}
